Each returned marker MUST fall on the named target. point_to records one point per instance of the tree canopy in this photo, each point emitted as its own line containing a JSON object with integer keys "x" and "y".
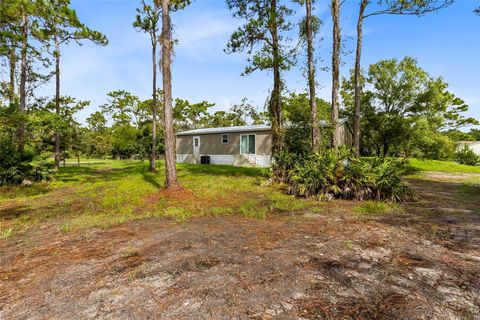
{"x": 402, "y": 104}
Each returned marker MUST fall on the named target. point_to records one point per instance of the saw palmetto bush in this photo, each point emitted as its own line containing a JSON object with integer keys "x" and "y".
{"x": 340, "y": 174}
{"x": 21, "y": 167}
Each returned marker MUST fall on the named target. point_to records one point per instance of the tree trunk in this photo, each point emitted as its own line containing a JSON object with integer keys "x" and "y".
{"x": 78, "y": 159}
{"x": 275, "y": 104}
{"x": 57, "y": 100}
{"x": 153, "y": 156}
{"x": 13, "y": 64}
{"x": 385, "y": 149}
{"x": 357, "y": 77}
{"x": 170, "y": 168}
{"x": 335, "y": 71}
{"x": 23, "y": 82}
{"x": 311, "y": 79}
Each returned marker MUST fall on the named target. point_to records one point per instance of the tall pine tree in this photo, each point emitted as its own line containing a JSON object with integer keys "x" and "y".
{"x": 262, "y": 37}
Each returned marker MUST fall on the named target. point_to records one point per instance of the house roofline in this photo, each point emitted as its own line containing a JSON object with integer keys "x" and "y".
{"x": 248, "y": 128}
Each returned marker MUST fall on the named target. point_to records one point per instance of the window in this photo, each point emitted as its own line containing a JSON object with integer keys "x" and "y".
{"x": 247, "y": 144}
{"x": 195, "y": 142}
{"x": 224, "y": 138}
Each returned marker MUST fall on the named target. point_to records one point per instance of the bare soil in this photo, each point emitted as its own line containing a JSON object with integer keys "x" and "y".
{"x": 421, "y": 261}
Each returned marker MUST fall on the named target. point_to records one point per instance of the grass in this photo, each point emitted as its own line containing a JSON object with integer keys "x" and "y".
{"x": 373, "y": 208}
{"x": 442, "y": 166}
{"x": 470, "y": 188}
{"x": 106, "y": 193}
{"x": 5, "y": 233}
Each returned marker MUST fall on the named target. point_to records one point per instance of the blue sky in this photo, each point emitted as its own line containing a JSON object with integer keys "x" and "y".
{"x": 446, "y": 44}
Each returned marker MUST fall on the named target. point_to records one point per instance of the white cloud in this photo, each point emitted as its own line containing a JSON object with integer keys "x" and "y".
{"x": 203, "y": 37}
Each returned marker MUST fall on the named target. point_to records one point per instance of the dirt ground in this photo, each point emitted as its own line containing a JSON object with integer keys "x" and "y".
{"x": 421, "y": 261}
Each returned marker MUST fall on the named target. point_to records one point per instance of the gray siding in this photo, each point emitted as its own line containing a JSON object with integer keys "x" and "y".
{"x": 184, "y": 145}
{"x": 211, "y": 144}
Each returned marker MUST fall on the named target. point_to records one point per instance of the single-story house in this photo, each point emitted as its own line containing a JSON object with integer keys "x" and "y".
{"x": 474, "y": 145}
{"x": 239, "y": 145}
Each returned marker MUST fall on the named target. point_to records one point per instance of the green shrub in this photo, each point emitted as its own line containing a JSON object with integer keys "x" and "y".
{"x": 467, "y": 156}
{"x": 17, "y": 168}
{"x": 340, "y": 174}
{"x": 433, "y": 145}
{"x": 282, "y": 165}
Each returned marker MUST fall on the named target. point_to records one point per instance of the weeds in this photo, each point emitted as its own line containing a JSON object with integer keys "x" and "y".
{"x": 5, "y": 233}
{"x": 253, "y": 209}
{"x": 65, "y": 227}
{"x": 373, "y": 208}
{"x": 179, "y": 214}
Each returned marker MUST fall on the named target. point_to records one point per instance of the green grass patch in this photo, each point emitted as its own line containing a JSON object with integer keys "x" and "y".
{"x": 283, "y": 202}
{"x": 5, "y": 233}
{"x": 253, "y": 208}
{"x": 178, "y": 213}
{"x": 442, "y": 166}
{"x": 105, "y": 193}
{"x": 373, "y": 208}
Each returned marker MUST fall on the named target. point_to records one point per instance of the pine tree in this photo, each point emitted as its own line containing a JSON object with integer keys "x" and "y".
{"x": 146, "y": 20}
{"x": 266, "y": 21}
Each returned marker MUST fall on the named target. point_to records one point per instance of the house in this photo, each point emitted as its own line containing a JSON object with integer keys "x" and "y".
{"x": 239, "y": 146}
{"x": 474, "y": 145}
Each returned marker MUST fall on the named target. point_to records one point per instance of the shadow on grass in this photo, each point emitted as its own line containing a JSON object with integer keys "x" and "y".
{"x": 86, "y": 173}
{"x": 14, "y": 212}
{"x": 150, "y": 178}
{"x": 83, "y": 163}
{"x": 215, "y": 169}
{"x": 37, "y": 189}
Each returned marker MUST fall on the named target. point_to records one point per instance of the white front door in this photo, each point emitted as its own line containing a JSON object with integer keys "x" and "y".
{"x": 196, "y": 146}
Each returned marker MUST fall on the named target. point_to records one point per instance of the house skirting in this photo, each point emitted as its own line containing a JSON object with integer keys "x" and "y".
{"x": 240, "y": 160}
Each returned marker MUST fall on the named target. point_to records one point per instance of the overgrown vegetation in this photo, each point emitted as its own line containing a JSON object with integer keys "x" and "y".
{"x": 340, "y": 174}
{"x": 22, "y": 167}
{"x": 467, "y": 156}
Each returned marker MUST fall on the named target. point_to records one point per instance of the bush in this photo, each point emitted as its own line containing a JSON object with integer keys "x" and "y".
{"x": 17, "y": 168}
{"x": 467, "y": 156}
{"x": 434, "y": 145}
{"x": 340, "y": 174}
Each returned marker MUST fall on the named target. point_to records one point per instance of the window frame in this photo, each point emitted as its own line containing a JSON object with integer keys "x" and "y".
{"x": 196, "y": 139}
{"x": 254, "y": 141}
{"x": 222, "y": 136}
